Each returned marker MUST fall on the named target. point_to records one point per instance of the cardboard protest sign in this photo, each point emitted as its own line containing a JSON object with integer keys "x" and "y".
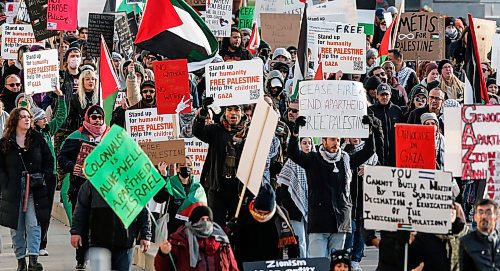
{"x": 289, "y": 265}
{"x": 37, "y": 11}
{"x": 280, "y": 30}
{"x": 421, "y": 36}
{"x": 407, "y": 199}
{"x": 245, "y": 20}
{"x": 218, "y": 17}
{"x": 480, "y": 139}
{"x": 11, "y": 10}
{"x": 453, "y": 132}
{"x": 122, "y": 174}
{"x": 172, "y": 86}
{"x": 145, "y": 125}
{"x": 342, "y": 52}
{"x": 125, "y": 42}
{"x": 484, "y": 29}
{"x": 257, "y": 145}
{"x": 415, "y": 146}
{"x": 492, "y": 189}
{"x": 100, "y": 24}
{"x": 170, "y": 152}
{"x": 333, "y": 109}
{"x": 41, "y": 71}
{"x": 62, "y": 15}
{"x": 14, "y": 36}
{"x": 231, "y": 83}
{"x": 197, "y": 150}
{"x": 85, "y": 150}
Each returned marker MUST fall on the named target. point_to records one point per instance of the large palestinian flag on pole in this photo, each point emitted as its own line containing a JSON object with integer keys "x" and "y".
{"x": 109, "y": 82}
{"x": 173, "y": 29}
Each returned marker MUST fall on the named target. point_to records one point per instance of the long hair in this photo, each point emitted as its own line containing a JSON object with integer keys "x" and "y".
{"x": 81, "y": 90}
{"x": 10, "y": 129}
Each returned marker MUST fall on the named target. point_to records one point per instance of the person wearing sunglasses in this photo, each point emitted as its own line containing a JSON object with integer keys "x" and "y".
{"x": 148, "y": 100}
{"x": 90, "y": 133}
{"x": 11, "y": 90}
{"x": 419, "y": 96}
{"x": 434, "y": 105}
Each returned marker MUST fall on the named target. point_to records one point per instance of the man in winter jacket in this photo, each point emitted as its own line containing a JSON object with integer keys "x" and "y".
{"x": 480, "y": 249}
{"x": 435, "y": 103}
{"x": 405, "y": 75}
{"x": 226, "y": 140}
{"x": 328, "y": 176}
{"x": 148, "y": 95}
{"x": 389, "y": 114}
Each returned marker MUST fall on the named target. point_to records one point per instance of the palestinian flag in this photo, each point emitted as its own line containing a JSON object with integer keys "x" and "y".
{"x": 301, "y": 64}
{"x": 319, "y": 72}
{"x": 254, "y": 41}
{"x": 173, "y": 29}
{"x": 195, "y": 197}
{"x": 389, "y": 40}
{"x": 475, "y": 87}
{"x": 366, "y": 19}
{"x": 109, "y": 82}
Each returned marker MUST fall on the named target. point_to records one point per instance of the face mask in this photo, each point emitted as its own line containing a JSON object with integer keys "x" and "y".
{"x": 75, "y": 62}
{"x": 185, "y": 172}
{"x": 203, "y": 228}
{"x": 451, "y": 32}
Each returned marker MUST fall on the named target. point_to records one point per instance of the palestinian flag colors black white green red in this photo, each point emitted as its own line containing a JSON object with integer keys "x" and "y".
{"x": 173, "y": 29}
{"x": 109, "y": 82}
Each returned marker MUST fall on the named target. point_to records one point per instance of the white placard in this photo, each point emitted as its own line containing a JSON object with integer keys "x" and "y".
{"x": 197, "y": 150}
{"x": 233, "y": 83}
{"x": 16, "y": 35}
{"x": 407, "y": 199}
{"x": 11, "y": 10}
{"x": 267, "y": 6}
{"x": 218, "y": 17}
{"x": 333, "y": 109}
{"x": 342, "y": 52}
{"x": 346, "y": 7}
{"x": 145, "y": 125}
{"x": 41, "y": 71}
{"x": 452, "y": 146}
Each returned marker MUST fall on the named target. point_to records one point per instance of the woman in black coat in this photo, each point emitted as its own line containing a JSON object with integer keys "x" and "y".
{"x": 25, "y": 164}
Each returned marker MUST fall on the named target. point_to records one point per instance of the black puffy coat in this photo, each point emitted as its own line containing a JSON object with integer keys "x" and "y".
{"x": 477, "y": 253}
{"x": 38, "y": 159}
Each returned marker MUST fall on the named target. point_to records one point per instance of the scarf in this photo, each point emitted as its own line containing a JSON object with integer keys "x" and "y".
{"x": 295, "y": 178}
{"x": 202, "y": 230}
{"x": 285, "y": 230}
{"x": 455, "y": 88}
{"x": 96, "y": 131}
{"x": 403, "y": 75}
{"x": 331, "y": 158}
{"x": 234, "y": 129}
{"x": 373, "y": 159}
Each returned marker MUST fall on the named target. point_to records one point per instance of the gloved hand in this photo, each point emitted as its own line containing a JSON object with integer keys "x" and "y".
{"x": 299, "y": 121}
{"x": 367, "y": 120}
{"x": 204, "y": 106}
{"x": 233, "y": 227}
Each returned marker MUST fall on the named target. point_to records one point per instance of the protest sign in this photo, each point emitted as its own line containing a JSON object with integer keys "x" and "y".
{"x": 363, "y": 4}
{"x": 132, "y": 24}
{"x": 41, "y": 71}
{"x": 119, "y": 97}
{"x": 280, "y": 30}
{"x": 232, "y": 83}
{"x": 257, "y": 145}
{"x": 170, "y": 152}
{"x": 342, "y": 52}
{"x": 100, "y": 24}
{"x": 333, "y": 109}
{"x": 197, "y": 150}
{"x": 415, "y": 146}
{"x": 410, "y": 199}
{"x": 14, "y": 36}
{"x": 480, "y": 139}
{"x": 266, "y": 6}
{"x": 218, "y": 17}
{"x": 495, "y": 52}
{"x": 22, "y": 13}
{"x": 492, "y": 188}
{"x": 85, "y": 150}
{"x": 197, "y": 3}
{"x": 336, "y": 6}
{"x": 245, "y": 20}
{"x": 125, "y": 42}
{"x": 421, "y": 36}
{"x": 293, "y": 7}
{"x": 172, "y": 86}
{"x": 453, "y": 132}
{"x": 11, "y": 11}
{"x": 289, "y": 265}
{"x": 62, "y": 15}
{"x": 122, "y": 174}
{"x": 484, "y": 30}
{"x": 37, "y": 11}
{"x": 145, "y": 125}
{"x": 85, "y": 7}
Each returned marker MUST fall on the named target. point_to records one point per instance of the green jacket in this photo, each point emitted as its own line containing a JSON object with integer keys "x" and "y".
{"x": 53, "y": 126}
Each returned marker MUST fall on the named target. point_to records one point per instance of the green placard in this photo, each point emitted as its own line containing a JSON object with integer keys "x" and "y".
{"x": 246, "y": 17}
{"x": 122, "y": 174}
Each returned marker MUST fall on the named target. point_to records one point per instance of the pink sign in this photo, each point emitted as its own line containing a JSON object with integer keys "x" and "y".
{"x": 62, "y": 15}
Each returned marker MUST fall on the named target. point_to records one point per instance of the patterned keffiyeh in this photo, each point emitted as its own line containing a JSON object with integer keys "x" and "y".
{"x": 294, "y": 176}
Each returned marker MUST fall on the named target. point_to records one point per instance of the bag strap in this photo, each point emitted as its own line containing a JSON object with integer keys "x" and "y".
{"x": 22, "y": 160}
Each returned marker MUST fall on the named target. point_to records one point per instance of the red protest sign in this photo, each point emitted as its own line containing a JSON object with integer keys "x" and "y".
{"x": 415, "y": 146}
{"x": 62, "y": 14}
{"x": 172, "y": 86}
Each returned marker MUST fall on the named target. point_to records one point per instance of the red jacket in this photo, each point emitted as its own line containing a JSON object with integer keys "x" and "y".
{"x": 215, "y": 255}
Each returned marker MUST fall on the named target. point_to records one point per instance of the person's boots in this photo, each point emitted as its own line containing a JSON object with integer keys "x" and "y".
{"x": 21, "y": 265}
{"x": 34, "y": 265}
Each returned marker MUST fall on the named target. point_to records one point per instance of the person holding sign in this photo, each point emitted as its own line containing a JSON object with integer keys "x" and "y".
{"x": 90, "y": 134}
{"x": 26, "y": 165}
{"x": 148, "y": 100}
{"x": 329, "y": 173}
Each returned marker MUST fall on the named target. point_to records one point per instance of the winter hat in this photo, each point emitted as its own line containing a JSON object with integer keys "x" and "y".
{"x": 418, "y": 90}
{"x": 429, "y": 67}
{"x": 36, "y": 48}
{"x": 116, "y": 56}
{"x": 383, "y": 88}
{"x": 442, "y": 63}
{"x": 432, "y": 85}
{"x": 428, "y": 116}
{"x": 71, "y": 49}
{"x": 340, "y": 256}
{"x": 147, "y": 83}
{"x": 265, "y": 201}
{"x": 274, "y": 74}
{"x": 199, "y": 212}
{"x": 393, "y": 10}
{"x": 451, "y": 103}
{"x": 379, "y": 13}
{"x": 94, "y": 109}
{"x": 449, "y": 21}
{"x": 280, "y": 65}
{"x": 490, "y": 81}
{"x": 138, "y": 68}
{"x": 38, "y": 114}
{"x": 26, "y": 97}
{"x": 458, "y": 23}
{"x": 275, "y": 82}
{"x": 281, "y": 52}
{"x": 372, "y": 83}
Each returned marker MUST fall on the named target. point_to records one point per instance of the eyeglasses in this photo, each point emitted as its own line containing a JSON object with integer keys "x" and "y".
{"x": 435, "y": 98}
{"x": 293, "y": 110}
{"x": 95, "y": 117}
{"x": 421, "y": 99}
{"x": 25, "y": 116}
{"x": 148, "y": 91}
{"x": 13, "y": 85}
